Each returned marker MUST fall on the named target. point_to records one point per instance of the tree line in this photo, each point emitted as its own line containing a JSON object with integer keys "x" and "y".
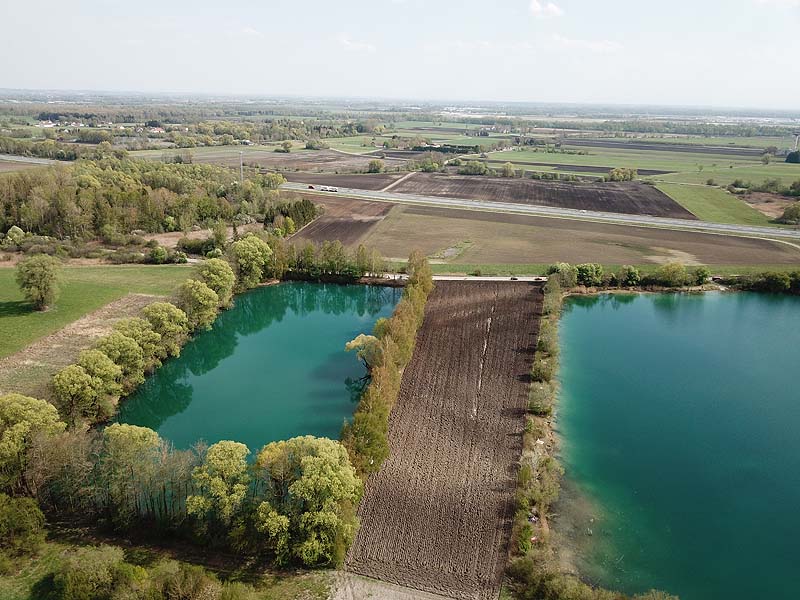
{"x": 386, "y": 353}
{"x": 85, "y": 198}
{"x": 672, "y": 275}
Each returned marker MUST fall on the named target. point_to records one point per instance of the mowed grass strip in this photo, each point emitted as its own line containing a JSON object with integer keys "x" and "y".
{"x": 83, "y": 290}
{"x": 713, "y": 204}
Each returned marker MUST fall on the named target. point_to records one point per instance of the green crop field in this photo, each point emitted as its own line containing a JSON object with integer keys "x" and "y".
{"x": 357, "y": 144}
{"x": 84, "y": 289}
{"x": 714, "y": 204}
{"x": 723, "y": 174}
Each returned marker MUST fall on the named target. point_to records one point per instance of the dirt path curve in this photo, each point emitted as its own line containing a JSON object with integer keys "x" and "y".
{"x": 29, "y": 370}
{"x": 399, "y": 181}
{"x": 437, "y": 516}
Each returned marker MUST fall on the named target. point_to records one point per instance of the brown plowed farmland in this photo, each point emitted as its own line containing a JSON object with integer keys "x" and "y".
{"x": 298, "y": 160}
{"x": 367, "y": 181}
{"x": 630, "y": 198}
{"x": 345, "y": 219}
{"x": 437, "y": 516}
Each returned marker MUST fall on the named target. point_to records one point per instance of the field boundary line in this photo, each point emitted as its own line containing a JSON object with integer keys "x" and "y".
{"x": 399, "y": 181}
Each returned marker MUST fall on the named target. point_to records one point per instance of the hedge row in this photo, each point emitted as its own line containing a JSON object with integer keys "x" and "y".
{"x": 366, "y": 438}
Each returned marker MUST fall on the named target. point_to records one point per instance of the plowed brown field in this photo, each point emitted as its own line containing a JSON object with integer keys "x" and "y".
{"x": 632, "y": 198}
{"x": 345, "y": 219}
{"x": 437, "y": 516}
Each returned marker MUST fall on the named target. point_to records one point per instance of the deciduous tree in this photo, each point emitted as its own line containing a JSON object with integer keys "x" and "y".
{"x": 199, "y": 302}
{"x": 221, "y": 483}
{"x": 38, "y": 277}
{"x": 171, "y": 323}
{"x": 219, "y": 276}
{"x": 21, "y": 418}
{"x": 127, "y": 355}
{"x": 249, "y": 257}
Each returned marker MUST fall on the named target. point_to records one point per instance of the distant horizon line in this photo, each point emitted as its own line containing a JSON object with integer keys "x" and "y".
{"x": 435, "y": 102}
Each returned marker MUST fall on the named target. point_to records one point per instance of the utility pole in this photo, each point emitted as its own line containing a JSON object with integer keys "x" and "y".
{"x": 241, "y": 167}
{"x": 796, "y": 139}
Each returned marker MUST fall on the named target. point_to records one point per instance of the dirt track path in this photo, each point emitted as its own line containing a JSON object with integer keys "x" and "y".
{"x": 29, "y": 371}
{"x": 437, "y": 516}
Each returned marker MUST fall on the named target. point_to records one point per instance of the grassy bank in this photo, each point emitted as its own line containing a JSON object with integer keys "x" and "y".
{"x": 84, "y": 289}
{"x": 709, "y": 203}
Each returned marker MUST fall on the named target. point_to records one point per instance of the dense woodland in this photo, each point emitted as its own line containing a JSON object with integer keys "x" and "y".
{"x": 86, "y": 198}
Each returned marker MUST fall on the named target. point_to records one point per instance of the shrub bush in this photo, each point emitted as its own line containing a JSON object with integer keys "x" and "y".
{"x": 21, "y": 526}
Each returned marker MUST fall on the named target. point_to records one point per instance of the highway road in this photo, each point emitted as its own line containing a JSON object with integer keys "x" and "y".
{"x": 774, "y": 233}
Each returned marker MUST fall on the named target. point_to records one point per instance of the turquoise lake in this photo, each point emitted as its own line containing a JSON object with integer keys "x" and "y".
{"x": 273, "y": 367}
{"x": 679, "y": 421}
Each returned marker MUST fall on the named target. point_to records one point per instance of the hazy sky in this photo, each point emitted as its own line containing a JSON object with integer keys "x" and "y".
{"x": 689, "y": 52}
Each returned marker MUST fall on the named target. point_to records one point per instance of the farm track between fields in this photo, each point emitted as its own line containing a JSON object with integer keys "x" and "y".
{"x": 437, "y": 516}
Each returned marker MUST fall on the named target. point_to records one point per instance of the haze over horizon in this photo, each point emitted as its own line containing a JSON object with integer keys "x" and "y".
{"x": 739, "y": 53}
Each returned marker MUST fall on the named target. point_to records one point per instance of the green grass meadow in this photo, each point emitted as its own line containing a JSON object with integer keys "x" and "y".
{"x": 714, "y": 204}
{"x": 83, "y": 290}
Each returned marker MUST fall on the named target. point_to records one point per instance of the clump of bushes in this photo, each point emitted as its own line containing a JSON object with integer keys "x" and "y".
{"x": 774, "y": 282}
{"x": 22, "y": 529}
{"x": 101, "y": 572}
{"x": 474, "y": 167}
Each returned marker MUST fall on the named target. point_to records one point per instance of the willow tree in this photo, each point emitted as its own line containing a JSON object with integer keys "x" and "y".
{"x": 21, "y": 419}
{"x": 309, "y": 491}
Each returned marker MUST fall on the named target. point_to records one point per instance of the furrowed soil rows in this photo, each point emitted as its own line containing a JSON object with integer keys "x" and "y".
{"x": 629, "y": 198}
{"x": 368, "y": 181}
{"x": 345, "y": 219}
{"x": 437, "y": 516}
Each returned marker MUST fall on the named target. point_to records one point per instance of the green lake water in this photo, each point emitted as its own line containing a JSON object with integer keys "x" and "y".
{"x": 680, "y": 425}
{"x": 273, "y": 367}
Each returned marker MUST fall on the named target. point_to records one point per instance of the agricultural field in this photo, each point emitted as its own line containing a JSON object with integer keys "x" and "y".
{"x": 660, "y": 160}
{"x": 628, "y": 198}
{"x": 366, "y": 181}
{"x": 266, "y": 158}
{"x": 714, "y": 204}
{"x": 641, "y": 145}
{"x": 344, "y": 219}
{"x": 464, "y": 237}
{"x": 724, "y": 174}
{"x": 8, "y": 166}
{"x": 437, "y": 516}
